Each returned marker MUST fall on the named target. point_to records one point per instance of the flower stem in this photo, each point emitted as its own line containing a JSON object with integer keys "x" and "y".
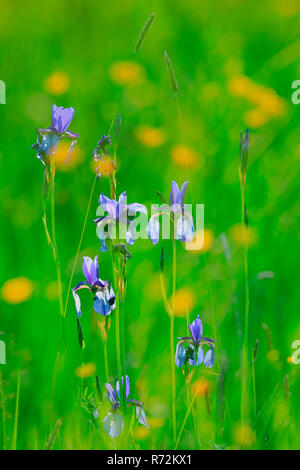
{"x": 244, "y": 403}
{"x": 105, "y": 361}
{"x": 53, "y": 229}
{"x": 118, "y": 337}
{"x": 172, "y": 345}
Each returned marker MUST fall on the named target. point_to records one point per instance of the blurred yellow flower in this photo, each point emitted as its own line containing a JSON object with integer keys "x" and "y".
{"x": 201, "y": 387}
{"x": 239, "y": 86}
{"x": 17, "y": 290}
{"x": 155, "y": 423}
{"x": 127, "y": 73}
{"x": 185, "y": 156}
{"x": 273, "y": 355}
{"x": 243, "y": 435}
{"x": 184, "y": 301}
{"x": 241, "y": 235}
{"x": 202, "y": 242}
{"x": 264, "y": 99}
{"x": 105, "y": 166}
{"x": 86, "y": 370}
{"x": 255, "y": 118}
{"x": 150, "y": 136}
{"x": 57, "y": 83}
{"x": 290, "y": 360}
{"x": 62, "y": 162}
{"x": 141, "y": 432}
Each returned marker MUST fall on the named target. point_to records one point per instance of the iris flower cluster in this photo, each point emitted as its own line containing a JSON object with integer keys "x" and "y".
{"x": 189, "y": 350}
{"x": 119, "y": 218}
{"x": 113, "y": 422}
{"x": 48, "y": 139}
{"x": 182, "y": 219}
{"x": 102, "y": 291}
{"x": 115, "y": 222}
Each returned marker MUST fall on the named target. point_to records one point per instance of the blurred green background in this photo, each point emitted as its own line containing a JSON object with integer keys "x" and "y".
{"x": 234, "y": 63}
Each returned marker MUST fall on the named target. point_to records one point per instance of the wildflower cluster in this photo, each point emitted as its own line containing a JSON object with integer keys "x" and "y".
{"x": 116, "y": 227}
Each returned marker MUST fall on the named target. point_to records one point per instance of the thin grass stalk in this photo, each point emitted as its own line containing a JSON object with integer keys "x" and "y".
{"x": 244, "y": 398}
{"x": 3, "y": 410}
{"x": 16, "y": 419}
{"x": 254, "y": 387}
{"x": 79, "y": 246}
{"x": 146, "y": 28}
{"x": 185, "y": 420}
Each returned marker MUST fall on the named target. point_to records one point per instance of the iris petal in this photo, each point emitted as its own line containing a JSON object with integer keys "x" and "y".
{"x": 113, "y": 424}
{"x": 196, "y": 329}
{"x": 153, "y": 229}
{"x": 180, "y": 355}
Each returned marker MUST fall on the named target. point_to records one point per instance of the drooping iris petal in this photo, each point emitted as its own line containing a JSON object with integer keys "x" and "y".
{"x": 141, "y": 417}
{"x": 111, "y": 394}
{"x": 131, "y": 233}
{"x": 77, "y": 302}
{"x": 180, "y": 355}
{"x": 153, "y": 228}
{"x": 108, "y": 205}
{"x": 104, "y": 301}
{"x": 81, "y": 285}
{"x": 101, "y": 234}
{"x": 49, "y": 144}
{"x": 196, "y": 330}
{"x": 113, "y": 424}
{"x": 71, "y": 135}
{"x": 200, "y": 356}
{"x": 89, "y": 270}
{"x": 135, "y": 207}
{"x": 209, "y": 358}
{"x": 185, "y": 228}
{"x": 127, "y": 387}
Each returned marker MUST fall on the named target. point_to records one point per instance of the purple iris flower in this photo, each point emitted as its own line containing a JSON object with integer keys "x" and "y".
{"x": 189, "y": 349}
{"x": 183, "y": 219}
{"x": 113, "y": 422}
{"x": 104, "y": 297}
{"x": 119, "y": 215}
{"x": 48, "y": 139}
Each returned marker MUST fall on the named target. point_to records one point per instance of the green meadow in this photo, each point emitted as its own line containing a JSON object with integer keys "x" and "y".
{"x": 185, "y": 91}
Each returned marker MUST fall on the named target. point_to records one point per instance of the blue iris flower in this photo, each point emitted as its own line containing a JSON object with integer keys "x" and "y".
{"x": 183, "y": 220}
{"x": 104, "y": 297}
{"x": 118, "y": 216}
{"x": 189, "y": 350}
{"x": 113, "y": 422}
{"x": 48, "y": 139}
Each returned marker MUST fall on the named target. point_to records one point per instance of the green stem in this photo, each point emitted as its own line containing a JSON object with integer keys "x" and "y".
{"x": 79, "y": 245}
{"x": 185, "y": 420}
{"x": 254, "y": 387}
{"x": 16, "y": 420}
{"x": 56, "y": 256}
{"x": 105, "y": 361}
{"x": 172, "y": 344}
{"x": 118, "y": 338}
{"x": 3, "y": 409}
{"x": 244, "y": 404}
